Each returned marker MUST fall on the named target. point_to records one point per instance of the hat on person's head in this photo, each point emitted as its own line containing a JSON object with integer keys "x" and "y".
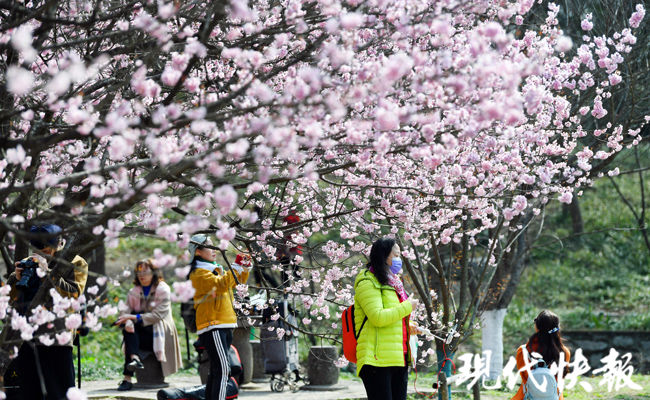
{"x": 49, "y": 229}
{"x": 195, "y": 242}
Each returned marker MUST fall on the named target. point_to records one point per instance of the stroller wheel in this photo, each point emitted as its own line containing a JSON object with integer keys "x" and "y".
{"x": 277, "y": 385}
{"x": 293, "y": 379}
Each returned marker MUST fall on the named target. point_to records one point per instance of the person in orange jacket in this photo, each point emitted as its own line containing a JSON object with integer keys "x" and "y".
{"x": 213, "y": 302}
{"x": 546, "y": 341}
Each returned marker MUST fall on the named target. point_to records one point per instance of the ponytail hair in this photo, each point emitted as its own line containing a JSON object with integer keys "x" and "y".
{"x": 379, "y": 252}
{"x": 548, "y": 339}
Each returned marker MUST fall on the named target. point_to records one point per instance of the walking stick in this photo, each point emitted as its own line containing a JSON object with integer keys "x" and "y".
{"x": 78, "y": 361}
{"x": 187, "y": 342}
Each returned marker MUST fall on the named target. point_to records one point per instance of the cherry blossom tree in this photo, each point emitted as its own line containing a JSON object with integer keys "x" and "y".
{"x": 429, "y": 120}
{"x": 627, "y": 106}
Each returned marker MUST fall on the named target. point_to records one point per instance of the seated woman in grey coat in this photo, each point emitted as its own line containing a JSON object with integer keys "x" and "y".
{"x": 148, "y": 325}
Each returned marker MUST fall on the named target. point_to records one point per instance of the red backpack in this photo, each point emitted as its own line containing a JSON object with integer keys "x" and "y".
{"x": 350, "y": 335}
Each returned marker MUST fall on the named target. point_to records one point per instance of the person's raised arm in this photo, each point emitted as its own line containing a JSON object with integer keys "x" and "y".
{"x": 369, "y": 299}
{"x": 205, "y": 281}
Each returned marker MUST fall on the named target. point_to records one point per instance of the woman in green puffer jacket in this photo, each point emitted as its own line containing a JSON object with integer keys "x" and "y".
{"x": 382, "y": 347}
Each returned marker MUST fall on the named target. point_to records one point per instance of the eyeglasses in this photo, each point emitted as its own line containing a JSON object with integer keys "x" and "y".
{"x": 145, "y": 272}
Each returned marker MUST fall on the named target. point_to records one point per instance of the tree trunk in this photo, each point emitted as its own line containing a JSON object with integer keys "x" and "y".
{"x": 96, "y": 263}
{"x": 492, "y": 339}
{"x": 444, "y": 370}
{"x": 576, "y": 216}
{"x": 502, "y": 289}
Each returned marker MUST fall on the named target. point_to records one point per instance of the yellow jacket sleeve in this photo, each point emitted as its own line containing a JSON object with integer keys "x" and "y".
{"x": 369, "y": 298}
{"x": 205, "y": 281}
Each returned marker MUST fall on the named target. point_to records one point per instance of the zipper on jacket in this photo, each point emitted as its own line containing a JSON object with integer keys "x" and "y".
{"x": 376, "y": 343}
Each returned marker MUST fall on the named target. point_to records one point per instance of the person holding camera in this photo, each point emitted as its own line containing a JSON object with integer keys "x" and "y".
{"x": 46, "y": 372}
{"x": 149, "y": 324}
{"x": 213, "y": 302}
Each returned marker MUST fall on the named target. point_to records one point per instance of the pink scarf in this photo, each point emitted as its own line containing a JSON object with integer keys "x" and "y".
{"x": 396, "y": 283}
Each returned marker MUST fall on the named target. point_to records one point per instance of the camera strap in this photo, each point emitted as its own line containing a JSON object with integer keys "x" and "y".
{"x": 41, "y": 379}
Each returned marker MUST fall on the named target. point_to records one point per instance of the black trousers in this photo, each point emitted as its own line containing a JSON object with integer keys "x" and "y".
{"x": 384, "y": 383}
{"x": 135, "y": 343}
{"x": 57, "y": 370}
{"x": 216, "y": 343}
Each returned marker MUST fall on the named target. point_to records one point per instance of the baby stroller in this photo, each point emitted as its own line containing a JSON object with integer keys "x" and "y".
{"x": 281, "y": 354}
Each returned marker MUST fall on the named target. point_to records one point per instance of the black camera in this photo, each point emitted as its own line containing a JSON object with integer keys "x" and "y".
{"x": 28, "y": 278}
{"x": 27, "y": 285}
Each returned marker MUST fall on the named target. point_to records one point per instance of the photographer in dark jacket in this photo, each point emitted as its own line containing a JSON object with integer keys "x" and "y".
{"x": 54, "y": 370}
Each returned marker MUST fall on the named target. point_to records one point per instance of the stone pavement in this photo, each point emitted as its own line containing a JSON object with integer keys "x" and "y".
{"x": 345, "y": 389}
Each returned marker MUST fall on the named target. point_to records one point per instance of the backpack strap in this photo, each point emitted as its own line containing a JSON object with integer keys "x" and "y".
{"x": 356, "y": 335}
{"x": 365, "y": 318}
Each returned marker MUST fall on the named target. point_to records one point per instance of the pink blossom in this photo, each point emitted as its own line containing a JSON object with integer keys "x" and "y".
{"x": 237, "y": 149}
{"x": 73, "y": 321}
{"x": 182, "y": 291}
{"x": 255, "y": 187}
{"x": 19, "y": 80}
{"x": 179, "y": 61}
{"x": 166, "y": 10}
{"x": 119, "y": 148}
{"x": 92, "y": 322}
{"x": 598, "y": 110}
{"x": 16, "y": 155}
{"x": 63, "y": 338}
{"x": 226, "y": 233}
{"x": 396, "y": 67}
{"x": 192, "y": 84}
{"x": 181, "y": 272}
{"x": 59, "y": 84}
{"x": 492, "y": 29}
{"x": 387, "y": 120}
{"x": 564, "y": 44}
{"x": 195, "y": 48}
{"x": 280, "y": 332}
{"x": 586, "y": 23}
{"x": 525, "y": 6}
{"x": 441, "y": 26}
{"x": 491, "y": 111}
{"x": 239, "y": 10}
{"x": 341, "y": 362}
{"x": 264, "y": 93}
{"x": 637, "y": 16}
{"x": 520, "y": 203}
{"x": 46, "y": 340}
{"x": 226, "y": 199}
{"x": 566, "y": 197}
{"x": 170, "y": 76}
{"x": 615, "y": 79}
{"x": 21, "y": 40}
{"x": 162, "y": 260}
{"x": 74, "y": 393}
{"x": 351, "y": 20}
